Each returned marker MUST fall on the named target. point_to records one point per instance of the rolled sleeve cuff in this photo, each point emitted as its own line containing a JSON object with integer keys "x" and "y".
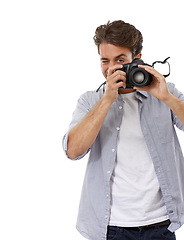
{"x": 65, "y": 148}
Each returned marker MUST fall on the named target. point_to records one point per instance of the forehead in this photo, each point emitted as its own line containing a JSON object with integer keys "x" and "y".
{"x": 111, "y": 51}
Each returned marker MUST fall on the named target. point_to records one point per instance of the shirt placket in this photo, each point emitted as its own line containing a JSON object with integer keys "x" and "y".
{"x": 112, "y": 155}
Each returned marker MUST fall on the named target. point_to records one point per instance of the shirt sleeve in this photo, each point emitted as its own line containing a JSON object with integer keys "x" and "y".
{"x": 82, "y": 108}
{"x": 180, "y": 96}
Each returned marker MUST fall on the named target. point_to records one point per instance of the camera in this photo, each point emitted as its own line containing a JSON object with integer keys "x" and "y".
{"x": 136, "y": 76}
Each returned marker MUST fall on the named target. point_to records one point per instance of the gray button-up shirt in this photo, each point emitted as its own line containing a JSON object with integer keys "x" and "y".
{"x": 158, "y": 126}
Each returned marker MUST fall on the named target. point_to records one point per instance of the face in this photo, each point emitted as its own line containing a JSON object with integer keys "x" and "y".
{"x": 111, "y": 55}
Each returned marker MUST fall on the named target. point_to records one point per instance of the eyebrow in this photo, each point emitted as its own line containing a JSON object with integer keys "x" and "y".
{"x": 121, "y": 55}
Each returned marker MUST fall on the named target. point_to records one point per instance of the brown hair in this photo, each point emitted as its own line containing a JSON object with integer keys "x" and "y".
{"x": 120, "y": 34}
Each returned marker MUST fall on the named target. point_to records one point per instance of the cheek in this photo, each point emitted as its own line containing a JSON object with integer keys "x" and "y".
{"x": 104, "y": 70}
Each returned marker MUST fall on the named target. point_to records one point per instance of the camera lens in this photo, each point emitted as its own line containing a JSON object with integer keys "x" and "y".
{"x": 138, "y": 77}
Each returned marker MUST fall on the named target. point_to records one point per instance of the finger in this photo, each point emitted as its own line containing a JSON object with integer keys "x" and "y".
{"x": 113, "y": 79}
{"x": 121, "y": 84}
{"x": 118, "y": 83}
{"x": 151, "y": 70}
{"x": 117, "y": 74}
{"x": 115, "y": 67}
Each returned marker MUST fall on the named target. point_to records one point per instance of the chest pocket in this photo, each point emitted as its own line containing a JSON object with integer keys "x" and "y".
{"x": 164, "y": 128}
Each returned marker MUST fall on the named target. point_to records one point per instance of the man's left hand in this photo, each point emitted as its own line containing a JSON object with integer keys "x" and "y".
{"x": 158, "y": 87}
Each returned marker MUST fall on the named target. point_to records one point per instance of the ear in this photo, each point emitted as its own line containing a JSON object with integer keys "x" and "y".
{"x": 139, "y": 55}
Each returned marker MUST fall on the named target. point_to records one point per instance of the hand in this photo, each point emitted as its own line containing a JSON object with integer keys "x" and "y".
{"x": 112, "y": 85}
{"x": 158, "y": 87}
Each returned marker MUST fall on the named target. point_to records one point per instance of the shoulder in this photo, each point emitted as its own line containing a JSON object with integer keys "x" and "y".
{"x": 175, "y": 91}
{"x": 91, "y": 97}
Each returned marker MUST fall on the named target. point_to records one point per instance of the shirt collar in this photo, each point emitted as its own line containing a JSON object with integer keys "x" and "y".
{"x": 139, "y": 95}
{"x": 144, "y": 93}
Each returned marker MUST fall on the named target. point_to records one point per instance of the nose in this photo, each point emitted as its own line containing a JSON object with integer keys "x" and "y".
{"x": 111, "y": 64}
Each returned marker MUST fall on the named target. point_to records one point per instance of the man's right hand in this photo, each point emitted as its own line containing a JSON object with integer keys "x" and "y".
{"x": 112, "y": 84}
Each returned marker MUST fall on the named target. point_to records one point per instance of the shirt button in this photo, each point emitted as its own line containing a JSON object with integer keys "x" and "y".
{"x": 108, "y": 172}
{"x": 118, "y": 128}
{"x": 120, "y": 107}
{"x": 106, "y": 216}
{"x": 113, "y": 150}
{"x": 107, "y": 195}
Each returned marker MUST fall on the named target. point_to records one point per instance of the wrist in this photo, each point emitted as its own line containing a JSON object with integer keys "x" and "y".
{"x": 169, "y": 99}
{"x": 106, "y": 100}
{"x": 110, "y": 97}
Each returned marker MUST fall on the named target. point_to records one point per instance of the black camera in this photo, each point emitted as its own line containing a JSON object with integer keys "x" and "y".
{"x": 136, "y": 76}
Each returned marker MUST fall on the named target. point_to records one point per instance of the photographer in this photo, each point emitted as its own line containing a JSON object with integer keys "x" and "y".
{"x": 133, "y": 185}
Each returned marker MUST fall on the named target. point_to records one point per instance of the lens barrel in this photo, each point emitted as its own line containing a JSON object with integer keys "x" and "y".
{"x": 139, "y": 77}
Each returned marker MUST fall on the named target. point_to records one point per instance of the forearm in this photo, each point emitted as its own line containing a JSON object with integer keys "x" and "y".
{"x": 176, "y": 105}
{"x": 83, "y": 135}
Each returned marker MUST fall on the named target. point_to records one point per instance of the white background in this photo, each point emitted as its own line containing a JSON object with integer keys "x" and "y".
{"x": 47, "y": 60}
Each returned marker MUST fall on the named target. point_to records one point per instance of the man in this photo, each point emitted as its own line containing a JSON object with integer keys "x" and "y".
{"x": 133, "y": 186}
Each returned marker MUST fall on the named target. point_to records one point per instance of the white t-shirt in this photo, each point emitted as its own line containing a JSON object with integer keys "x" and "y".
{"x": 136, "y": 195}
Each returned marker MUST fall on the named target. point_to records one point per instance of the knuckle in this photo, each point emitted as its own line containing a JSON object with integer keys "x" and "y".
{"x": 110, "y": 69}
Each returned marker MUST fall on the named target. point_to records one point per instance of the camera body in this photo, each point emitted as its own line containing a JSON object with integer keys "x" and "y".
{"x": 136, "y": 76}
